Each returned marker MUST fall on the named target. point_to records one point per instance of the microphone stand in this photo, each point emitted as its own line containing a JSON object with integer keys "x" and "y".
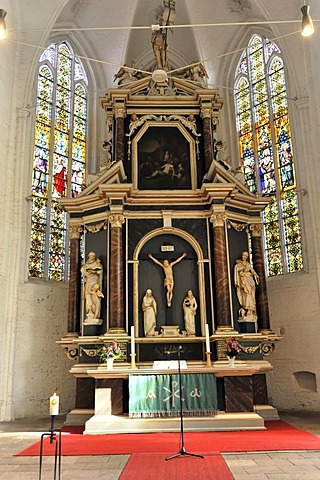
{"x": 182, "y": 451}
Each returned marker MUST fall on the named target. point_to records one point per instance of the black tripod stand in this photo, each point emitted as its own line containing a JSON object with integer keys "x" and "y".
{"x": 182, "y": 450}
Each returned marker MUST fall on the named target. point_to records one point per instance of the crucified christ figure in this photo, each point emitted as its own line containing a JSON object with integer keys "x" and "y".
{"x": 167, "y": 268}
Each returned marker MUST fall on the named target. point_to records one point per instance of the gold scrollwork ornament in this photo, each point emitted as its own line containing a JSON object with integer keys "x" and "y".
{"x": 72, "y": 353}
{"x": 267, "y": 348}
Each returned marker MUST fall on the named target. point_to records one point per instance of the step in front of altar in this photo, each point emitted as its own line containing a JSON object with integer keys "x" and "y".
{"x": 104, "y": 424}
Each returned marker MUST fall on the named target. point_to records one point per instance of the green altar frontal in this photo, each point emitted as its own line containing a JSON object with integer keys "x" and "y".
{"x": 158, "y": 395}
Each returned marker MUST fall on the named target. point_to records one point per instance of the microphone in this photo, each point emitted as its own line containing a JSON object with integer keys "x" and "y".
{"x": 174, "y": 350}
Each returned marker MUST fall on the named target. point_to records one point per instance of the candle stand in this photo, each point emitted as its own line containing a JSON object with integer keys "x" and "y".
{"x": 208, "y": 364}
{"x": 133, "y": 360}
{"x": 55, "y": 437}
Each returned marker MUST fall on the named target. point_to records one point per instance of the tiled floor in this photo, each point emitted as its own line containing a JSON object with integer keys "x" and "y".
{"x": 15, "y": 436}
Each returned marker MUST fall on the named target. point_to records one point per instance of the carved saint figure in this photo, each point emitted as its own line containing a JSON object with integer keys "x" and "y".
{"x": 149, "y": 308}
{"x": 92, "y": 272}
{"x": 245, "y": 279}
{"x": 190, "y": 310}
{"x": 159, "y": 45}
{"x": 168, "y": 271}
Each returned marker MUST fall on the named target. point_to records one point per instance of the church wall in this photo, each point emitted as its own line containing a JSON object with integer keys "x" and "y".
{"x": 39, "y": 362}
{"x": 294, "y": 310}
{"x": 17, "y": 397}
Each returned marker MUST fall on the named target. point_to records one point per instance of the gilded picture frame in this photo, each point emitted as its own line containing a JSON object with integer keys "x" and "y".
{"x": 164, "y": 157}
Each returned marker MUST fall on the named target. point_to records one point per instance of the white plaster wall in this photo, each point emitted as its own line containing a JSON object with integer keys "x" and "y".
{"x": 41, "y": 365}
{"x": 25, "y": 348}
{"x": 294, "y": 310}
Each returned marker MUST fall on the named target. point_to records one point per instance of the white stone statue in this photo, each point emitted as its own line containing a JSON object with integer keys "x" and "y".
{"x": 168, "y": 271}
{"x": 149, "y": 308}
{"x": 126, "y": 74}
{"x": 245, "y": 279}
{"x": 190, "y": 309}
{"x": 92, "y": 272}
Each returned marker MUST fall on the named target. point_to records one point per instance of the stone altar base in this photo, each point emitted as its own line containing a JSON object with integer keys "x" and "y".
{"x": 104, "y": 424}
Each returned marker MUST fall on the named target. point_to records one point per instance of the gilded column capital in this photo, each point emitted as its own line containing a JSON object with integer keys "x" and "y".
{"x": 75, "y": 231}
{"x": 205, "y": 113}
{"x": 218, "y": 219}
{"x": 256, "y": 229}
{"x": 119, "y": 112}
{"x": 116, "y": 220}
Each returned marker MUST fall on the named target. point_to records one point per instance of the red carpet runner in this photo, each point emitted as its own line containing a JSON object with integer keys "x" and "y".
{"x": 278, "y": 436}
{"x": 149, "y": 466}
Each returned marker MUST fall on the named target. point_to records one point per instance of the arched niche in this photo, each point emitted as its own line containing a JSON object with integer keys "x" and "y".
{"x": 188, "y": 274}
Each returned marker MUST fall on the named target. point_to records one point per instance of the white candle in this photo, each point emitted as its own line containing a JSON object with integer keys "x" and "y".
{"x": 54, "y": 404}
{"x": 133, "y": 349}
{"x": 207, "y": 338}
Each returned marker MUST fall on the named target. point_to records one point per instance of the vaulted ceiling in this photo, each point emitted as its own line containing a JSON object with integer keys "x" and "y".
{"x": 211, "y": 44}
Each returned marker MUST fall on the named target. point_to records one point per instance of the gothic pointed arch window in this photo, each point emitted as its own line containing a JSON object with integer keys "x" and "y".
{"x": 266, "y": 150}
{"x": 59, "y": 157}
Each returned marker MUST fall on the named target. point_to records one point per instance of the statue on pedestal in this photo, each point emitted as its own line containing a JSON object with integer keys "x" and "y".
{"x": 92, "y": 272}
{"x": 245, "y": 279}
{"x": 149, "y": 308}
{"x": 190, "y": 309}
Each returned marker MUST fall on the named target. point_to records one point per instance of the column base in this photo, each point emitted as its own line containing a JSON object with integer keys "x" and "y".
{"x": 116, "y": 331}
{"x": 72, "y": 335}
{"x": 223, "y": 329}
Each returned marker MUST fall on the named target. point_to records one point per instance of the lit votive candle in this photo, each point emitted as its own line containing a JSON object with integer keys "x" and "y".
{"x": 54, "y": 404}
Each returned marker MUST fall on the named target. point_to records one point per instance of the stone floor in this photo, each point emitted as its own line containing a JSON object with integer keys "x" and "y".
{"x": 282, "y": 465}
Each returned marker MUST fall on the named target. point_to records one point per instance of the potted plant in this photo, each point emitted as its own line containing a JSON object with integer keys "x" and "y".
{"x": 233, "y": 349}
{"x": 110, "y": 353}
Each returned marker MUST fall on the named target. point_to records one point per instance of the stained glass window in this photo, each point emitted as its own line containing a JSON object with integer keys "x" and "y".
{"x": 266, "y": 150}
{"x": 59, "y": 157}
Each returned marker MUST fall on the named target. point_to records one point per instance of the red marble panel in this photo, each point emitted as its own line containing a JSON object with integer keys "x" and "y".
{"x": 238, "y": 394}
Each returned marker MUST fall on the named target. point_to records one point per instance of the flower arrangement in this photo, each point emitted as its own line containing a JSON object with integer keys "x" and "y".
{"x": 233, "y": 347}
{"x": 112, "y": 351}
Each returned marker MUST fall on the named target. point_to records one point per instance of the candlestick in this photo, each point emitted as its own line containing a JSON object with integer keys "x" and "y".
{"x": 207, "y": 338}
{"x": 208, "y": 364}
{"x": 133, "y": 349}
{"x": 133, "y": 360}
{"x": 54, "y": 404}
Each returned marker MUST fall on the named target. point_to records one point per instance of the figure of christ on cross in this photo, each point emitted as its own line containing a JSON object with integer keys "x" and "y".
{"x": 168, "y": 271}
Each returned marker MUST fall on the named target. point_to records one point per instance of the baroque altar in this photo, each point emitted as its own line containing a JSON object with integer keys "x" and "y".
{"x": 166, "y": 244}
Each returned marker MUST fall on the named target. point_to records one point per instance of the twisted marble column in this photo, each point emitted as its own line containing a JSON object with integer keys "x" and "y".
{"x": 74, "y": 296}
{"x": 119, "y": 114}
{"x": 207, "y": 137}
{"x": 116, "y": 300}
{"x": 221, "y": 273}
{"x": 261, "y": 289}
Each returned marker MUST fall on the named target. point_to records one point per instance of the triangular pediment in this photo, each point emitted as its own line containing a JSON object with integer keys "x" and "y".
{"x": 220, "y": 172}
{"x": 174, "y": 87}
{"x": 115, "y": 174}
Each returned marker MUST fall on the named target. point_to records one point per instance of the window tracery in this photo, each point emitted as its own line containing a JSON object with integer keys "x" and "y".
{"x": 59, "y": 157}
{"x": 266, "y": 150}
